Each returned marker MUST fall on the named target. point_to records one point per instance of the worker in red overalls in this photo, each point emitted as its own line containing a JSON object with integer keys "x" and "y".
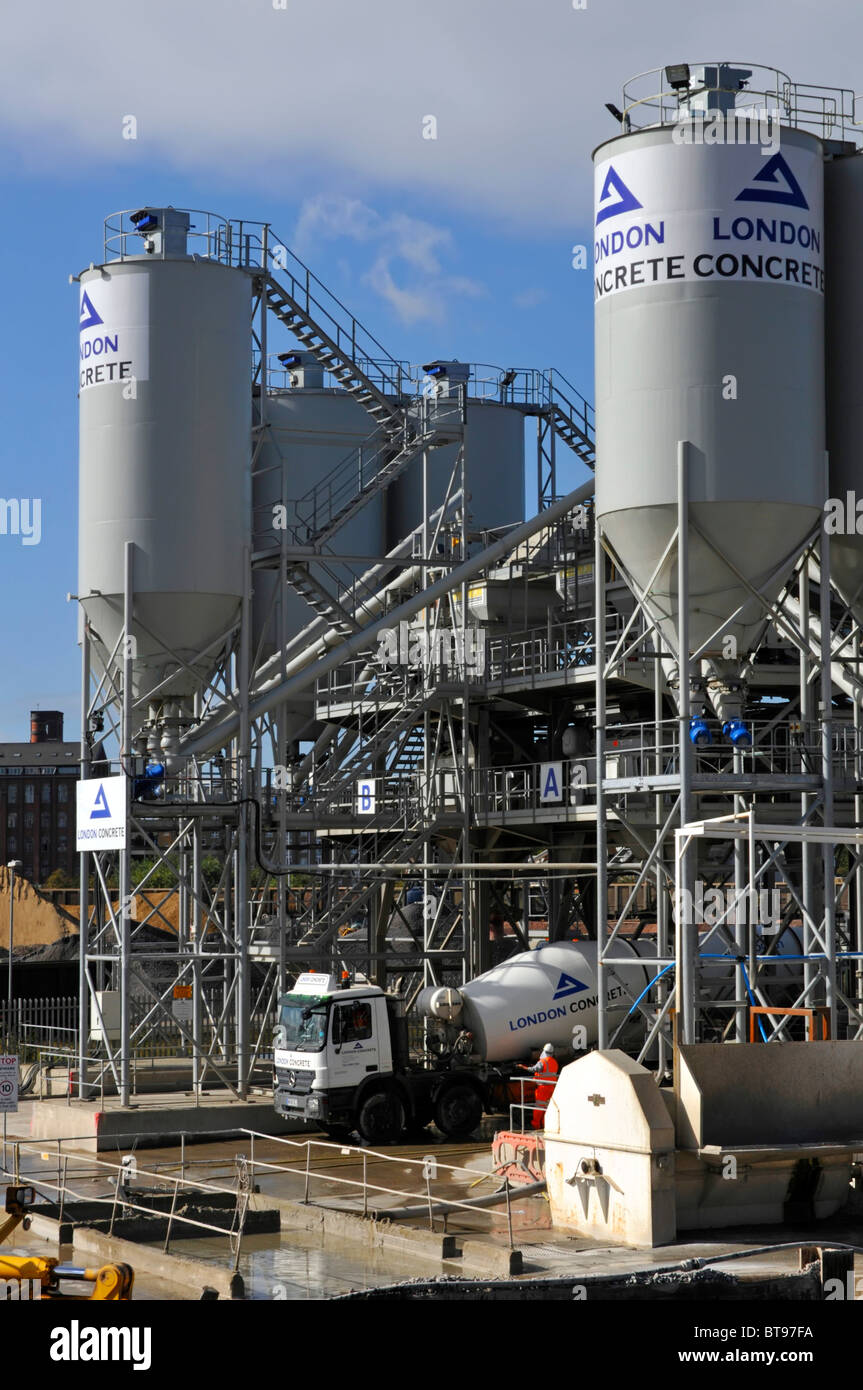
{"x": 545, "y": 1075}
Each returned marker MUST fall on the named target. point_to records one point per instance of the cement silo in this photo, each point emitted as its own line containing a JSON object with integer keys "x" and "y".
{"x": 165, "y": 421}
{"x": 709, "y": 329}
{"x": 311, "y": 430}
{"x": 494, "y": 450}
{"x": 843, "y": 215}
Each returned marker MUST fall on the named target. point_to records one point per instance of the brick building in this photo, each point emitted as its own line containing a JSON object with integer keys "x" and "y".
{"x": 37, "y": 799}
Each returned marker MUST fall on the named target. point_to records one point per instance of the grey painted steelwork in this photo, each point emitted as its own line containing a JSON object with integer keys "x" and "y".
{"x": 494, "y": 450}
{"x": 309, "y": 433}
{"x": 166, "y": 467}
{"x": 843, "y": 218}
{"x": 756, "y": 466}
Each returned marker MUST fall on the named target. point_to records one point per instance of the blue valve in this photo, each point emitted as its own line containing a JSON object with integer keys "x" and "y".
{"x": 699, "y": 732}
{"x": 737, "y": 732}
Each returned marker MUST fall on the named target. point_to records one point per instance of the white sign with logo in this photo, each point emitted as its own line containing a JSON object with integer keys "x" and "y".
{"x": 114, "y": 329}
{"x": 702, "y": 214}
{"x": 101, "y": 813}
{"x": 366, "y": 798}
{"x": 8, "y": 1085}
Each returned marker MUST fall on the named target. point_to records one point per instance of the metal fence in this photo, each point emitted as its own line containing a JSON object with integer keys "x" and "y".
{"x": 33, "y": 1028}
{"x": 38, "y": 1023}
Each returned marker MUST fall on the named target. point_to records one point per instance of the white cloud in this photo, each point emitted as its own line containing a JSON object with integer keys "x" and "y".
{"x": 333, "y": 93}
{"x": 406, "y": 271}
{"x": 530, "y": 299}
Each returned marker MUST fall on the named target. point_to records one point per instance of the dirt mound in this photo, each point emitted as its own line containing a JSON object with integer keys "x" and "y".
{"x": 37, "y": 921}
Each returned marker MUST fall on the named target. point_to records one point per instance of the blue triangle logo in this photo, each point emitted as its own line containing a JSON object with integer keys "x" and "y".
{"x": 777, "y": 184}
{"x": 567, "y": 985}
{"x": 101, "y": 809}
{"x": 626, "y": 200}
{"x": 89, "y": 317}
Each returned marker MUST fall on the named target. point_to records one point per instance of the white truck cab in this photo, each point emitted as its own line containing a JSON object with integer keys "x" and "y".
{"x": 329, "y": 1039}
{"x": 341, "y": 1061}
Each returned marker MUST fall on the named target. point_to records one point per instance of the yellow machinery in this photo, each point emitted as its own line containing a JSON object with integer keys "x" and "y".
{"x": 112, "y": 1283}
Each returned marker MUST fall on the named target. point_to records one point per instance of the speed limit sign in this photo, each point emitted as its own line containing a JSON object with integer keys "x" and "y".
{"x": 8, "y": 1085}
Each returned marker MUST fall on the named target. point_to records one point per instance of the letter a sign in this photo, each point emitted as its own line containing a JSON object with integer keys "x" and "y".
{"x": 550, "y": 782}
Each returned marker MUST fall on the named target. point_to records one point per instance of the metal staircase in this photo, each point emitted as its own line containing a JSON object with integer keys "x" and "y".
{"x": 568, "y": 426}
{"x": 331, "y": 333}
{"x": 560, "y": 406}
{"x": 398, "y": 728}
{"x": 402, "y": 849}
{"x": 320, "y": 600}
{"x": 346, "y": 489}
{"x": 344, "y": 348}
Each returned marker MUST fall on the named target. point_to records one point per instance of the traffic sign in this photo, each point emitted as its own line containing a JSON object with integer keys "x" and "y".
{"x": 8, "y": 1085}
{"x": 182, "y": 1005}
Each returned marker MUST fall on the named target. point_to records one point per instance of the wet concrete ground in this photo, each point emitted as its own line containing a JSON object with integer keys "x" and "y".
{"x": 300, "y": 1265}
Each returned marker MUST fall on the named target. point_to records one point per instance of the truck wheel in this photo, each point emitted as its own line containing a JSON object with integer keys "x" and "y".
{"x": 458, "y": 1111}
{"x": 381, "y": 1118}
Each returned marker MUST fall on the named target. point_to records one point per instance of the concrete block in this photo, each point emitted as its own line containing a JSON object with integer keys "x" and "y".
{"x": 609, "y": 1145}
{"x": 769, "y": 1094}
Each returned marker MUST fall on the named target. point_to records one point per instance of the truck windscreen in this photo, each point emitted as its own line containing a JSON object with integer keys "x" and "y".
{"x": 304, "y": 1020}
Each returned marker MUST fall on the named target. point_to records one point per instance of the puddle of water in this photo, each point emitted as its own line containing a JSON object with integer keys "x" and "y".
{"x": 298, "y": 1266}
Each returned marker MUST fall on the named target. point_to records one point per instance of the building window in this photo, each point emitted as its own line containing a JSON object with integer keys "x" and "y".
{"x": 28, "y": 849}
{"x": 62, "y": 791}
{"x": 28, "y": 820}
{"x": 29, "y": 793}
{"x": 12, "y": 843}
{"x": 45, "y": 820}
{"x": 62, "y": 845}
{"x": 61, "y": 820}
{"x": 12, "y": 794}
{"x": 12, "y": 820}
{"x": 46, "y": 793}
{"x": 46, "y": 845}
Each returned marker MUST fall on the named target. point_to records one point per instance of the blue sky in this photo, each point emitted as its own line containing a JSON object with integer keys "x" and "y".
{"x": 310, "y": 116}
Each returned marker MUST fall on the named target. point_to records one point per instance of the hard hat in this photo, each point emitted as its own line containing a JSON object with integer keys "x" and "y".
{"x": 547, "y": 1050}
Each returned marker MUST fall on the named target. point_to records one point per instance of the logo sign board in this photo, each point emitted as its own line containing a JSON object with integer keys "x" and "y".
{"x": 114, "y": 330}
{"x": 690, "y": 214}
{"x": 8, "y": 1085}
{"x": 101, "y": 813}
{"x": 366, "y": 798}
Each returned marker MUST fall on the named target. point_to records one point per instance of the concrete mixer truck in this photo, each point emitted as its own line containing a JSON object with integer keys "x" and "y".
{"x": 342, "y": 1060}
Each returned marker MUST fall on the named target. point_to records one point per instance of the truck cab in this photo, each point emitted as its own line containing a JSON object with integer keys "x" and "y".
{"x": 341, "y": 1062}
{"x": 330, "y": 1040}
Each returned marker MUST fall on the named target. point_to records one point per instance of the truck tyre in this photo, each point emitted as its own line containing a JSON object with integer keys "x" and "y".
{"x": 381, "y": 1117}
{"x": 458, "y": 1110}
